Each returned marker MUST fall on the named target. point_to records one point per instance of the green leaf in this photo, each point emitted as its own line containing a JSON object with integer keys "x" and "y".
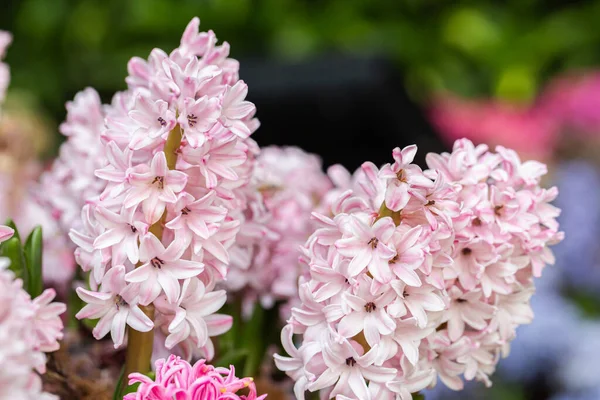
{"x": 131, "y": 389}
{"x": 229, "y": 341}
{"x": 121, "y": 390}
{"x": 232, "y": 357}
{"x": 117, "y": 395}
{"x": 12, "y": 250}
{"x": 253, "y": 341}
{"x": 33, "y": 258}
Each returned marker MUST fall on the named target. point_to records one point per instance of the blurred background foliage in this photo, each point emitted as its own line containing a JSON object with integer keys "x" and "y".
{"x": 474, "y": 48}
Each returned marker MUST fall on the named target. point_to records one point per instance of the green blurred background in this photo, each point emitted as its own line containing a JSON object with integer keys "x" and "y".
{"x": 474, "y": 48}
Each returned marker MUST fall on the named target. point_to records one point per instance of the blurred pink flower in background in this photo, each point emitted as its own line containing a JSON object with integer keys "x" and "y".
{"x": 5, "y": 39}
{"x": 531, "y": 131}
{"x": 574, "y": 100}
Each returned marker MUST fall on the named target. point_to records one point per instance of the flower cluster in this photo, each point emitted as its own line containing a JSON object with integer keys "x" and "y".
{"x": 5, "y": 39}
{"x": 70, "y": 183}
{"x": 28, "y": 329}
{"x": 287, "y": 185}
{"x": 178, "y": 156}
{"x": 418, "y": 275}
{"x": 177, "y": 379}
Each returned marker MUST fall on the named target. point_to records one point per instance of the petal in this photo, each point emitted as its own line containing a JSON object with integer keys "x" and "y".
{"x": 104, "y": 324}
{"x": 351, "y": 324}
{"x": 117, "y": 331}
{"x": 108, "y": 238}
{"x": 358, "y": 385}
{"x": 184, "y": 269}
{"x": 151, "y": 247}
{"x": 93, "y": 297}
{"x": 158, "y": 167}
{"x": 218, "y": 324}
{"x": 138, "y": 320}
{"x": 140, "y": 274}
{"x": 360, "y": 261}
{"x": 170, "y": 285}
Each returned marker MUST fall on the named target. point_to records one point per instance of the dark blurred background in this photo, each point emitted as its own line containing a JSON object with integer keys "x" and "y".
{"x": 351, "y": 79}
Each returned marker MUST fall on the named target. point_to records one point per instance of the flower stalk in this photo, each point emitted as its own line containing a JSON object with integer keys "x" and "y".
{"x": 140, "y": 344}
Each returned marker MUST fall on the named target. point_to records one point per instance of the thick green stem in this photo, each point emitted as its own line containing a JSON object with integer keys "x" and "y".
{"x": 139, "y": 344}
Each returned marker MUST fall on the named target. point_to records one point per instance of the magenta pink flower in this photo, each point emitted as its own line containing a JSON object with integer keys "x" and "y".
{"x": 177, "y": 379}
{"x": 533, "y": 131}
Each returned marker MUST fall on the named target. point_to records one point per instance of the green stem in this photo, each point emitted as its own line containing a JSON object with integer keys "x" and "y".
{"x": 140, "y": 344}
{"x": 386, "y": 212}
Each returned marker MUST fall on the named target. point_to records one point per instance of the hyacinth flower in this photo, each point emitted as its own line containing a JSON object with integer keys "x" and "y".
{"x": 163, "y": 199}
{"x": 177, "y": 379}
{"x": 29, "y": 326}
{"x": 462, "y": 281}
{"x": 287, "y": 185}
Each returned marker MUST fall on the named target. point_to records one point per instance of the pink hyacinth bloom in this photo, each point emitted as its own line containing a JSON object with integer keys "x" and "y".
{"x": 367, "y": 313}
{"x": 399, "y": 192}
{"x": 460, "y": 244}
{"x": 166, "y": 179}
{"x": 369, "y": 247}
{"x": 48, "y": 325}
{"x": 236, "y": 109}
{"x": 196, "y": 217}
{"x": 122, "y": 235}
{"x": 28, "y": 328}
{"x": 197, "y": 118}
{"x": 194, "y": 314}
{"x": 177, "y": 379}
{"x": 116, "y": 306}
{"x": 347, "y": 370}
{"x": 161, "y": 269}
{"x": 154, "y": 187}
{"x": 116, "y": 171}
{"x": 467, "y": 309}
